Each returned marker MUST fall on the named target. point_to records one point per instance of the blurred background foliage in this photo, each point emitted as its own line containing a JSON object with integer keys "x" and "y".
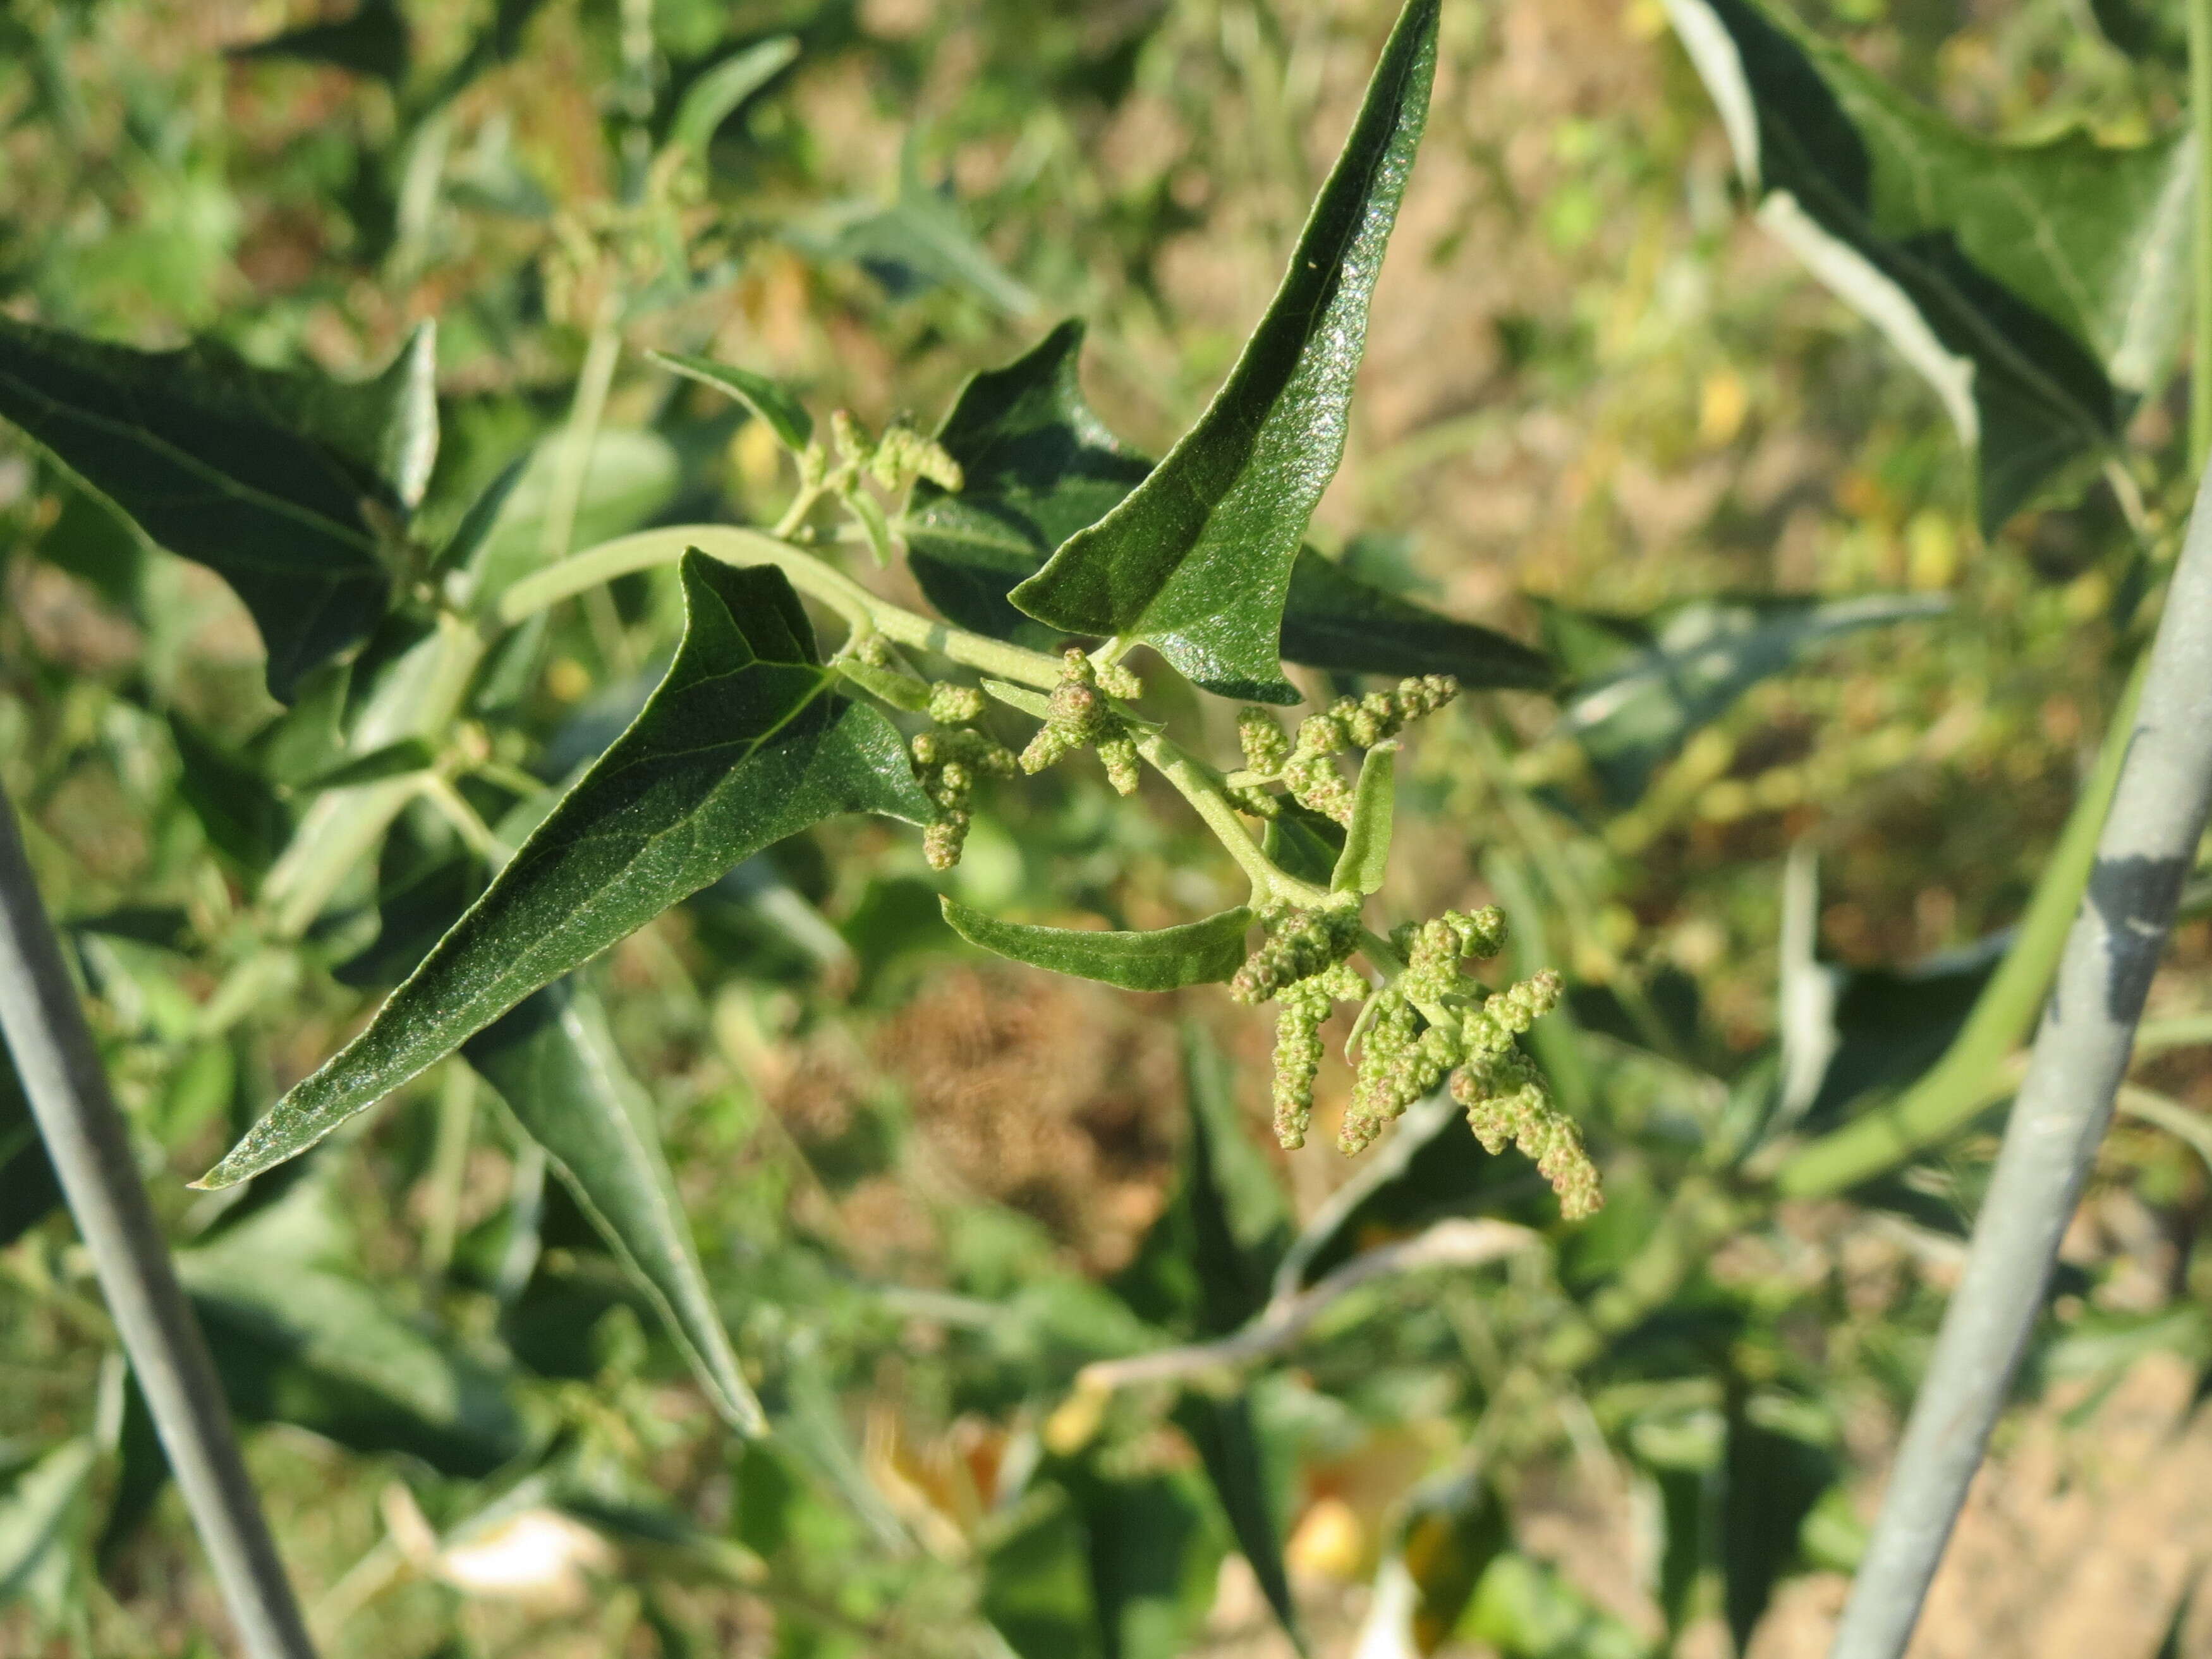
{"x": 929, "y": 1188}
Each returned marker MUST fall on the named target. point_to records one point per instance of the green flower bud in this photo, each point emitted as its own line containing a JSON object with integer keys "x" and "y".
{"x": 1120, "y": 757}
{"x": 955, "y": 705}
{"x": 1266, "y": 746}
{"x": 1299, "y": 944}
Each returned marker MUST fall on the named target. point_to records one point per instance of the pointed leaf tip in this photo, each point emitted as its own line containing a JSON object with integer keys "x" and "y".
{"x": 745, "y": 742}
{"x": 1197, "y": 561}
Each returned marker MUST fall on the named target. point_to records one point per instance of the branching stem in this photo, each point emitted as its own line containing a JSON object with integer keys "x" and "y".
{"x": 864, "y": 613}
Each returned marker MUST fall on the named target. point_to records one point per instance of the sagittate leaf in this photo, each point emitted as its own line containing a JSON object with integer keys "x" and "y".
{"x": 1038, "y": 464}
{"x": 1643, "y": 685}
{"x": 1201, "y": 952}
{"x": 744, "y": 743}
{"x": 555, "y": 1063}
{"x": 1197, "y": 561}
{"x": 2038, "y": 289}
{"x": 267, "y": 479}
{"x": 771, "y": 400}
{"x": 1334, "y": 620}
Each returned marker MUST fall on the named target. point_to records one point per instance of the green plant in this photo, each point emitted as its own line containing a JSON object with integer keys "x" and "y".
{"x": 432, "y": 804}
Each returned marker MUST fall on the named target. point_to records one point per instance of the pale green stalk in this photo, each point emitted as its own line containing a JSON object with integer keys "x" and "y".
{"x": 862, "y": 611}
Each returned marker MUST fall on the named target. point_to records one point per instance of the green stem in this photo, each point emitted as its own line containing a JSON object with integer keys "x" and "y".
{"x": 862, "y": 611}
{"x": 1197, "y": 785}
{"x": 2200, "y": 124}
{"x": 1959, "y": 1087}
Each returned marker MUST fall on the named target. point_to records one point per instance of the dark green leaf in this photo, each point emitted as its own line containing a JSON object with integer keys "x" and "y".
{"x": 1646, "y": 685}
{"x": 372, "y": 42}
{"x": 1203, "y": 1271}
{"x": 263, "y": 477}
{"x": 714, "y": 96}
{"x": 555, "y": 1063}
{"x": 28, "y": 1189}
{"x": 771, "y": 400}
{"x": 1037, "y": 465}
{"x": 1769, "y": 1483}
{"x": 744, "y": 743}
{"x": 1037, "y": 1581}
{"x": 1195, "y": 953}
{"x": 1204, "y": 1268}
{"x": 2038, "y": 289}
{"x": 99, "y": 546}
{"x": 457, "y": 558}
{"x": 1304, "y": 843}
{"x": 240, "y": 812}
{"x": 1116, "y": 1569}
{"x": 1232, "y": 1451}
{"x": 1366, "y": 856}
{"x": 1334, "y": 620}
{"x": 1197, "y": 561}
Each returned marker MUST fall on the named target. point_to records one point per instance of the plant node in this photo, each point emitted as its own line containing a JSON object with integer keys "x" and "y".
{"x": 1078, "y": 716}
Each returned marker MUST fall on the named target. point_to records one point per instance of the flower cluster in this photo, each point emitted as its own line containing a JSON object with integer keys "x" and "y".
{"x": 949, "y": 757}
{"x": 893, "y": 460}
{"x": 1507, "y": 1101}
{"x": 1300, "y": 943}
{"x": 1308, "y": 767}
{"x": 1078, "y": 716}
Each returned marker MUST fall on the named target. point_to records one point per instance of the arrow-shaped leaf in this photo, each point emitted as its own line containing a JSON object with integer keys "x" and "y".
{"x": 1161, "y": 959}
{"x": 265, "y": 479}
{"x": 554, "y": 1062}
{"x": 745, "y": 742}
{"x": 1197, "y": 561}
{"x": 2038, "y": 289}
{"x": 1039, "y": 464}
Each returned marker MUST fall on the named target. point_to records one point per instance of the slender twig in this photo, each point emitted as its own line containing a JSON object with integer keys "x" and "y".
{"x": 1279, "y": 1326}
{"x": 2144, "y": 854}
{"x": 90, "y": 1146}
